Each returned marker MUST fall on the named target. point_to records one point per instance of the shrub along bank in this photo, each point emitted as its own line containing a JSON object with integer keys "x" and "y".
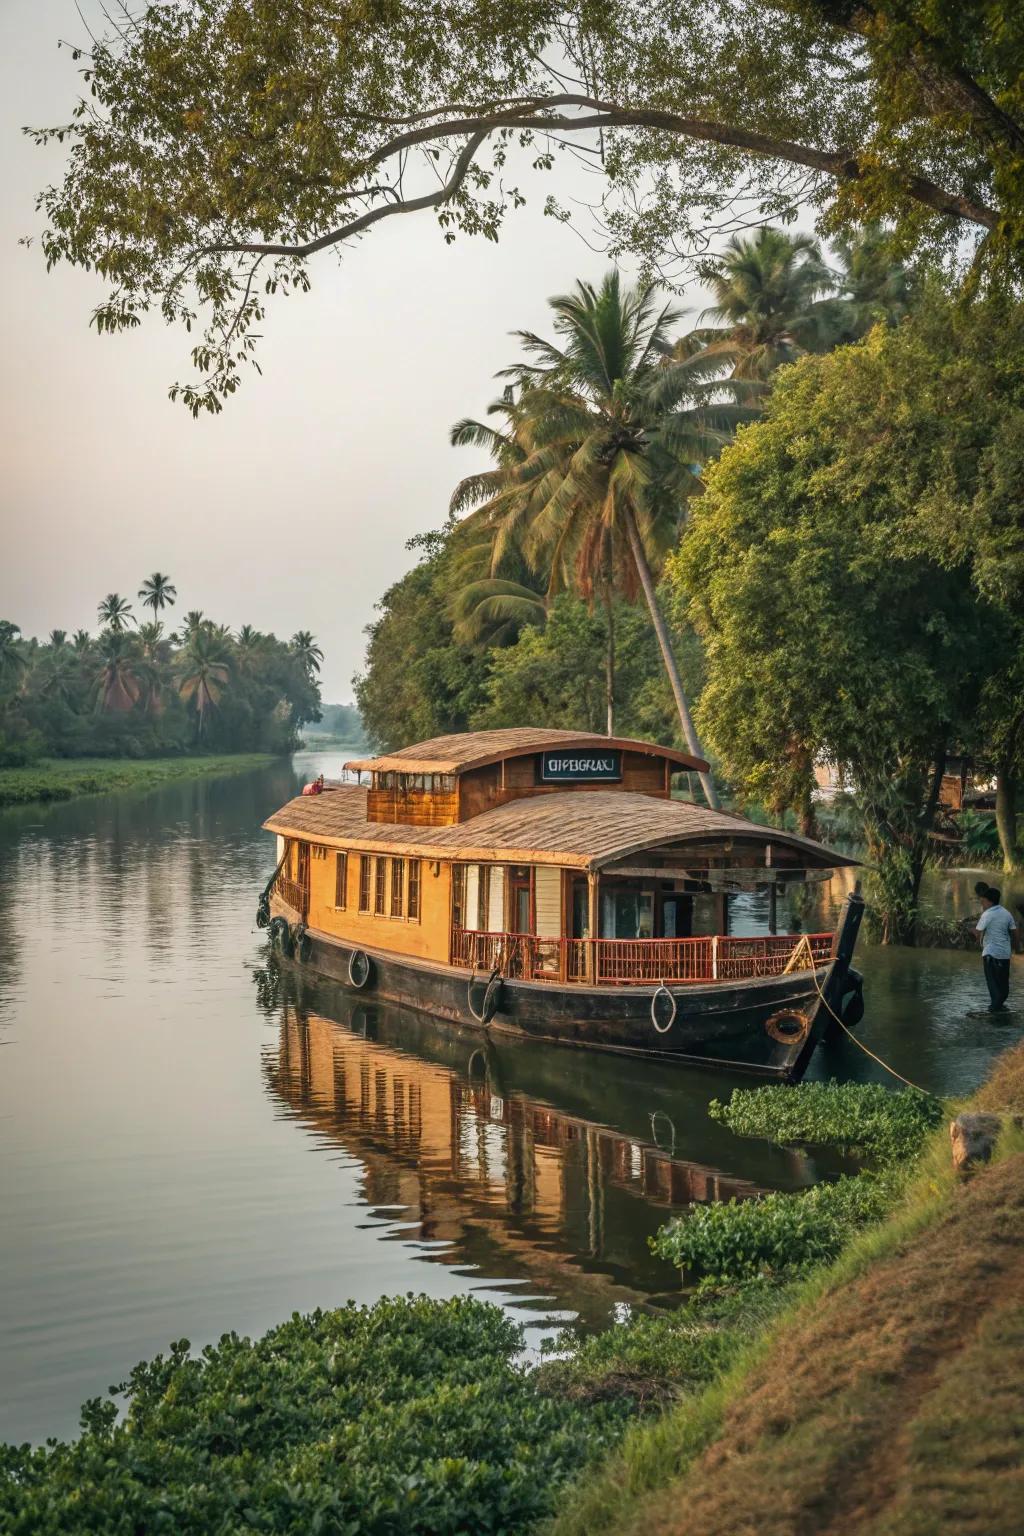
{"x": 67, "y": 779}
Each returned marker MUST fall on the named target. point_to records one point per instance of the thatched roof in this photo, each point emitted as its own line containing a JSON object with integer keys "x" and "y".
{"x": 475, "y": 749}
{"x": 573, "y": 830}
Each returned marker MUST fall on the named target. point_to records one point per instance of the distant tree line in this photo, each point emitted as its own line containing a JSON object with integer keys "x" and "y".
{"x": 138, "y": 689}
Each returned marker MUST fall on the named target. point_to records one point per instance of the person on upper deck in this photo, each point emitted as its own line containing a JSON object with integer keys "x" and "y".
{"x": 998, "y": 936}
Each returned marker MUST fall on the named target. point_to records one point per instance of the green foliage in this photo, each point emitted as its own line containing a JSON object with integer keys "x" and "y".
{"x": 218, "y": 147}
{"x": 406, "y": 1416}
{"x": 774, "y": 1235}
{"x": 858, "y": 1117}
{"x": 651, "y": 1360}
{"x": 419, "y": 680}
{"x": 134, "y": 692}
{"x": 60, "y": 779}
{"x": 855, "y": 568}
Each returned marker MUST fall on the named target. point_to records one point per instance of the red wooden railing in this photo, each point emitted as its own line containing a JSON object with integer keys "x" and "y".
{"x": 620, "y": 961}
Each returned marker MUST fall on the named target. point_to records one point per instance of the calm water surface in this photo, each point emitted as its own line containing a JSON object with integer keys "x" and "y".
{"x": 190, "y": 1144}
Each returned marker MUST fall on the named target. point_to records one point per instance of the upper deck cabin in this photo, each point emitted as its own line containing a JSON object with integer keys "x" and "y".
{"x": 553, "y": 855}
{"x": 454, "y": 778}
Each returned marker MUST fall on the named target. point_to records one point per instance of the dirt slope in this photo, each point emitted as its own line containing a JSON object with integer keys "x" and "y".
{"x": 898, "y": 1406}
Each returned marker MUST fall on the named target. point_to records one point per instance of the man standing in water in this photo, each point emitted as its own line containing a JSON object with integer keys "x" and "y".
{"x": 997, "y": 928}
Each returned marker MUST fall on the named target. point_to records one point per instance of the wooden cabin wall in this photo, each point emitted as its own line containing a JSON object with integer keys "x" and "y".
{"x": 482, "y": 788}
{"x": 426, "y": 938}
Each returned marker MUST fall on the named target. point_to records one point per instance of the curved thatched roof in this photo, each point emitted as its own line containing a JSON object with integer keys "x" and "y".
{"x": 574, "y": 830}
{"x": 476, "y": 749}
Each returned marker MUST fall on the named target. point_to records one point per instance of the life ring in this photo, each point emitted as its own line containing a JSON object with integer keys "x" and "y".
{"x": 789, "y": 1026}
{"x": 663, "y": 1029}
{"x": 360, "y": 969}
{"x": 301, "y": 942}
{"x": 851, "y": 1004}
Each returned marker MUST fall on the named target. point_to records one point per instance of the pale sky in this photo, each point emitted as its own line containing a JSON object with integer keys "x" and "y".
{"x": 291, "y": 509}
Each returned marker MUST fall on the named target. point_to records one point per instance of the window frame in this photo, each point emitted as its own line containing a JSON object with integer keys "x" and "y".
{"x": 380, "y": 886}
{"x": 396, "y": 889}
{"x": 414, "y": 890}
{"x": 365, "y": 882}
{"x": 340, "y": 880}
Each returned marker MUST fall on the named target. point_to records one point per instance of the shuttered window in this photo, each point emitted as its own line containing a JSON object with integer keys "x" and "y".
{"x": 341, "y": 880}
{"x": 397, "y": 887}
{"x": 414, "y": 890}
{"x": 458, "y": 895}
{"x": 365, "y": 876}
{"x": 380, "y": 888}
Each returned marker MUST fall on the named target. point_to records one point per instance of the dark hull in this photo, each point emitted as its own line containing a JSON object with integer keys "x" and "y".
{"x": 722, "y": 1025}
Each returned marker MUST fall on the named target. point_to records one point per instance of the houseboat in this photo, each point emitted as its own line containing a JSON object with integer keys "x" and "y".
{"x": 548, "y": 883}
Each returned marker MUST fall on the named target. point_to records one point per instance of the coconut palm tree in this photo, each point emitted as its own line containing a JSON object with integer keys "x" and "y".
{"x": 158, "y": 592}
{"x": 60, "y": 676}
{"x": 13, "y": 661}
{"x": 248, "y": 645}
{"x": 116, "y": 612}
{"x": 769, "y": 303}
{"x": 81, "y": 640}
{"x": 205, "y": 672}
{"x": 117, "y": 684}
{"x": 873, "y": 288}
{"x": 57, "y": 638}
{"x": 304, "y": 646}
{"x": 193, "y": 622}
{"x": 610, "y": 431}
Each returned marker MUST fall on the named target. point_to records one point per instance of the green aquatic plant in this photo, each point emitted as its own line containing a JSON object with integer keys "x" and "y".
{"x": 867, "y": 1118}
{"x": 773, "y": 1236}
{"x": 411, "y": 1415}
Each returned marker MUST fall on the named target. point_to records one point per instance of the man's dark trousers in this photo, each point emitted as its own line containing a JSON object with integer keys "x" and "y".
{"x": 997, "y": 975}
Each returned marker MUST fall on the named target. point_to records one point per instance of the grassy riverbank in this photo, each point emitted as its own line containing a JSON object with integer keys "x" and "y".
{"x": 68, "y": 778}
{"x": 883, "y": 1396}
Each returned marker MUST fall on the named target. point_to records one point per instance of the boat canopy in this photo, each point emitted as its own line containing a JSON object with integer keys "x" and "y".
{"x": 589, "y": 832}
{"x": 458, "y": 754}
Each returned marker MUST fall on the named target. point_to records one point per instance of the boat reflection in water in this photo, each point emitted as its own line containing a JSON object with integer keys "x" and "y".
{"x": 511, "y": 1160}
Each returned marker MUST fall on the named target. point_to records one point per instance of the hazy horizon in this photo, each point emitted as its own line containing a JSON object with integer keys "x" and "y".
{"x": 292, "y": 508}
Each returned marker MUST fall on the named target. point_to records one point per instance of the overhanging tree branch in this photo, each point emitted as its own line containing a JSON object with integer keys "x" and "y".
{"x": 541, "y": 116}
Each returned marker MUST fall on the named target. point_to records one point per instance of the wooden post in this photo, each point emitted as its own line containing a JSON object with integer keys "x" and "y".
{"x": 773, "y": 908}
{"x": 593, "y": 919}
{"x": 722, "y": 912}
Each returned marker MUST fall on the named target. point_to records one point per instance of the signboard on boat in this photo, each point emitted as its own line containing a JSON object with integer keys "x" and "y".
{"x": 580, "y": 766}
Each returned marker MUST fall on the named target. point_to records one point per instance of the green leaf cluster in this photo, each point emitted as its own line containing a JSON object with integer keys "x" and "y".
{"x": 865, "y": 1118}
{"x": 407, "y": 1416}
{"x": 218, "y": 148}
{"x": 775, "y": 1235}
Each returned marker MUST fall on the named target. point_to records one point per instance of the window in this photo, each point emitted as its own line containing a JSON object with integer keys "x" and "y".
{"x": 414, "y": 890}
{"x": 341, "y": 880}
{"x": 397, "y": 887}
{"x": 380, "y": 888}
{"x": 483, "y": 897}
{"x": 458, "y": 895}
{"x": 365, "y": 873}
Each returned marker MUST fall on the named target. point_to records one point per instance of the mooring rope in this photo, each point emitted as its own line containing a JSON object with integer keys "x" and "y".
{"x": 864, "y": 1048}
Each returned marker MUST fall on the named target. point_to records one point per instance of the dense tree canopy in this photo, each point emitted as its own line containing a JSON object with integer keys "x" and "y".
{"x": 855, "y": 572}
{"x": 137, "y": 692}
{"x": 222, "y": 144}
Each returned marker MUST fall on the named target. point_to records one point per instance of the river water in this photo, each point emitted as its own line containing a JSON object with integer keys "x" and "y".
{"x": 189, "y": 1145}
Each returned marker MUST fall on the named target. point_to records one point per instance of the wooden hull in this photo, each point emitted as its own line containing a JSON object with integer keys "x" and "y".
{"x": 724, "y": 1024}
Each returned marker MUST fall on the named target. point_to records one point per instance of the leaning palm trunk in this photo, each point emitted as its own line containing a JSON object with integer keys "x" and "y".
{"x": 707, "y": 783}
{"x": 610, "y": 665}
